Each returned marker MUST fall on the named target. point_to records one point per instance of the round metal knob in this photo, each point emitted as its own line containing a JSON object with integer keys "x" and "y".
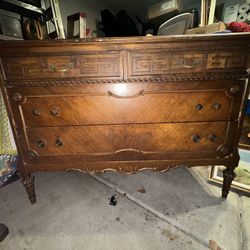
{"x": 17, "y": 97}
{"x": 198, "y": 107}
{"x": 59, "y": 143}
{"x": 217, "y": 106}
{"x": 213, "y": 138}
{"x": 40, "y": 144}
{"x": 55, "y": 111}
{"x": 234, "y": 89}
{"x": 36, "y": 112}
{"x": 196, "y": 138}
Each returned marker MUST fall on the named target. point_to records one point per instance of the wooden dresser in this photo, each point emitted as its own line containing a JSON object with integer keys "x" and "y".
{"x": 126, "y": 104}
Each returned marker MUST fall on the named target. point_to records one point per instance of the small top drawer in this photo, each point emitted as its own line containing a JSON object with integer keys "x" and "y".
{"x": 157, "y": 63}
{"x": 86, "y": 66}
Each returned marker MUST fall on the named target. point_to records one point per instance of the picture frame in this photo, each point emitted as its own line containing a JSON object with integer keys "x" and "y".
{"x": 244, "y": 142}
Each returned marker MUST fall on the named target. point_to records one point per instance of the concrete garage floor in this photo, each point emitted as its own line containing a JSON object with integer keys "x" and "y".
{"x": 178, "y": 210}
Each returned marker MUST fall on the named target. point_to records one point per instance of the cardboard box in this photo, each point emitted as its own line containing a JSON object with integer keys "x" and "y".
{"x": 164, "y": 7}
{"x": 207, "y": 29}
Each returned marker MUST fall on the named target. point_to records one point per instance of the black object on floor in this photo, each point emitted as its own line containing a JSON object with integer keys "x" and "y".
{"x": 4, "y": 231}
{"x": 113, "y": 201}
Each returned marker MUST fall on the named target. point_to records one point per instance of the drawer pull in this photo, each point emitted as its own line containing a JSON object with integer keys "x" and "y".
{"x": 64, "y": 68}
{"x": 234, "y": 89}
{"x": 217, "y": 106}
{"x": 36, "y": 112}
{"x": 198, "y": 107}
{"x": 59, "y": 143}
{"x": 141, "y": 93}
{"x": 40, "y": 144}
{"x": 17, "y": 97}
{"x": 196, "y": 138}
{"x": 186, "y": 66}
{"x": 213, "y": 138}
{"x": 55, "y": 111}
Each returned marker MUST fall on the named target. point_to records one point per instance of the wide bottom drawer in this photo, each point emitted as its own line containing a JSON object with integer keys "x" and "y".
{"x": 130, "y": 141}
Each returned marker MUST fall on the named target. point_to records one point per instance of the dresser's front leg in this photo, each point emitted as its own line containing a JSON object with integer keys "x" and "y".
{"x": 228, "y": 175}
{"x": 28, "y": 182}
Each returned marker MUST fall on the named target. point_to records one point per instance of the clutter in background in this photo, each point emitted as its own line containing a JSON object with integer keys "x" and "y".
{"x": 238, "y": 27}
{"x": 167, "y": 17}
{"x": 211, "y": 28}
{"x": 176, "y": 25}
{"x": 237, "y": 12}
{"x": 10, "y": 24}
{"x": 8, "y": 168}
{"x": 164, "y": 8}
{"x": 8, "y": 158}
{"x": 119, "y": 25}
{"x": 28, "y": 20}
{"x": 243, "y": 13}
{"x": 161, "y": 17}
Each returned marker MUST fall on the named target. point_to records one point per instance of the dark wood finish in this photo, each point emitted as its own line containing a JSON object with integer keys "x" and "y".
{"x": 142, "y": 104}
{"x": 126, "y": 104}
{"x": 28, "y": 182}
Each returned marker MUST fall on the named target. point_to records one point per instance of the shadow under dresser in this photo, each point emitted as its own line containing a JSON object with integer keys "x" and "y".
{"x": 126, "y": 104}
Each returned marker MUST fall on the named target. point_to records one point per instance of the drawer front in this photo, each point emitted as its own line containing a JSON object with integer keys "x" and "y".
{"x": 163, "y": 62}
{"x": 122, "y": 64}
{"x": 138, "y": 139}
{"x": 86, "y": 66}
{"x": 142, "y": 107}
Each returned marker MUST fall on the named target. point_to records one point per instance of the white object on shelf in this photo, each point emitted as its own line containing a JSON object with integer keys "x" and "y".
{"x": 242, "y": 17}
{"x": 231, "y": 13}
{"x": 176, "y": 25}
{"x": 244, "y": 8}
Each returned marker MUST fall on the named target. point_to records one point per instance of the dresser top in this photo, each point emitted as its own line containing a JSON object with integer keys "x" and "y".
{"x": 238, "y": 41}
{"x": 139, "y": 39}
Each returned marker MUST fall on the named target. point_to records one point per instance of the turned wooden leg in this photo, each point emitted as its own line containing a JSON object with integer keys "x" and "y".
{"x": 28, "y": 182}
{"x": 228, "y": 175}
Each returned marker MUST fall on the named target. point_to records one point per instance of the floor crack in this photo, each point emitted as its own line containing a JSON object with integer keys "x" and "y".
{"x": 173, "y": 223}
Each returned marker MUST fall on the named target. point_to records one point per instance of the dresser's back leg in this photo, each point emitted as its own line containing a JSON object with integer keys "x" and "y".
{"x": 28, "y": 182}
{"x": 228, "y": 175}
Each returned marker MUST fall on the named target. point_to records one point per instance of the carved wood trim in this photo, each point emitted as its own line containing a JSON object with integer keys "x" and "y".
{"x": 170, "y": 77}
{"x": 121, "y": 170}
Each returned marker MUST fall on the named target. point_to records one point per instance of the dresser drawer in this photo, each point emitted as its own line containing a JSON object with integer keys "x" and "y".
{"x": 121, "y": 64}
{"x": 152, "y": 63}
{"x": 87, "y": 66}
{"x": 142, "y": 107}
{"x": 117, "y": 139}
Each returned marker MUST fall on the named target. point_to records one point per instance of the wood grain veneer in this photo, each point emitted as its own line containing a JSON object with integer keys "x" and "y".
{"x": 126, "y": 104}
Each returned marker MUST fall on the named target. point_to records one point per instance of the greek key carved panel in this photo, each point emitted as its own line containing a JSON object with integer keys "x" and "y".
{"x": 87, "y": 66}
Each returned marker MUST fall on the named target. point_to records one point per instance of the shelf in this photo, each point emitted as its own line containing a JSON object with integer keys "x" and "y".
{"x": 3, "y": 37}
{"x": 21, "y": 8}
